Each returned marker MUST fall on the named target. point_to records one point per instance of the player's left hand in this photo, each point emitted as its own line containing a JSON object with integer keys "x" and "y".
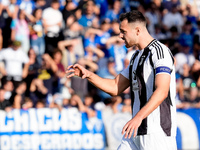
{"x": 131, "y": 126}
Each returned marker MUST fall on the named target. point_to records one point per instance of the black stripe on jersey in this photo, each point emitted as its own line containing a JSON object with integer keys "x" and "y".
{"x": 142, "y": 130}
{"x": 154, "y": 70}
{"x": 130, "y": 77}
{"x": 165, "y": 115}
{"x": 157, "y": 51}
{"x": 161, "y": 49}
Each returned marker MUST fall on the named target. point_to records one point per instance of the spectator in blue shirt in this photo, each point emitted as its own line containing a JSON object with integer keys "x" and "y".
{"x": 101, "y": 39}
{"x": 89, "y": 19}
{"x": 185, "y": 36}
{"x": 114, "y": 13}
{"x": 117, "y": 50}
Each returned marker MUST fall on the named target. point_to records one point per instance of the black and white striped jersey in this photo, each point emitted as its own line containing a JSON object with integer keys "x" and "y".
{"x": 145, "y": 64}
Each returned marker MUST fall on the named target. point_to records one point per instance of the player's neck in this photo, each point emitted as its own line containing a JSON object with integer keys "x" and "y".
{"x": 144, "y": 41}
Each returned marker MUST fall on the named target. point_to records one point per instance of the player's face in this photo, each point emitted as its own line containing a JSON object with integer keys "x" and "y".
{"x": 128, "y": 34}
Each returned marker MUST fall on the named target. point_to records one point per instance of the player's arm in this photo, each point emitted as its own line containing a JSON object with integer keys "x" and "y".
{"x": 111, "y": 86}
{"x": 162, "y": 84}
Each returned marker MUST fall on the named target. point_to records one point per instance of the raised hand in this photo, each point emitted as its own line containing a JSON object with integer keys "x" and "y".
{"x": 77, "y": 70}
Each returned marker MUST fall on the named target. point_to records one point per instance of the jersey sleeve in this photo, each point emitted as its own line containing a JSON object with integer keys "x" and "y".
{"x": 162, "y": 59}
{"x": 125, "y": 72}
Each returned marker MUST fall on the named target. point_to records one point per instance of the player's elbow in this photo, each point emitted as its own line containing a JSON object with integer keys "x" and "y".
{"x": 114, "y": 92}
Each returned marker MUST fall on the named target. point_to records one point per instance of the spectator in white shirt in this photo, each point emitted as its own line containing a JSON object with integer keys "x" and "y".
{"x": 52, "y": 21}
{"x": 15, "y": 63}
{"x": 173, "y": 18}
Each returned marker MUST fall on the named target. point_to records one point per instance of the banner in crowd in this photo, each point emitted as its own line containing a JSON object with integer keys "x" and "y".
{"x": 50, "y": 129}
{"x": 70, "y": 129}
{"x": 114, "y": 124}
{"x": 188, "y": 131}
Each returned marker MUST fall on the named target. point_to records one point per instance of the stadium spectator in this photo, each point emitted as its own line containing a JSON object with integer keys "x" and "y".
{"x": 47, "y": 72}
{"x": 186, "y": 37}
{"x": 114, "y": 104}
{"x": 42, "y": 86}
{"x": 27, "y": 104}
{"x": 76, "y": 102}
{"x": 56, "y": 102}
{"x": 153, "y": 16}
{"x": 100, "y": 41}
{"x": 40, "y": 104}
{"x": 59, "y": 78}
{"x": 73, "y": 34}
{"x": 34, "y": 65}
{"x": 196, "y": 42}
{"x": 158, "y": 34}
{"x": 114, "y": 12}
{"x": 52, "y": 27}
{"x": 108, "y": 72}
{"x": 195, "y": 72}
{"x": 89, "y": 18}
{"x": 8, "y": 11}
{"x": 4, "y": 104}
{"x": 185, "y": 82}
{"x": 134, "y": 4}
{"x": 18, "y": 96}
{"x": 117, "y": 51}
{"x": 38, "y": 92}
{"x": 69, "y": 10}
{"x": 37, "y": 33}
{"x": 172, "y": 37}
{"x": 92, "y": 53}
{"x": 114, "y": 31}
{"x": 191, "y": 15}
{"x": 192, "y": 5}
{"x": 173, "y": 18}
{"x": 15, "y": 63}
{"x": 126, "y": 104}
{"x": 20, "y": 31}
{"x": 89, "y": 106}
{"x": 169, "y": 5}
{"x": 184, "y": 57}
{"x": 9, "y": 88}
{"x": 193, "y": 101}
{"x": 40, "y": 4}
{"x": 69, "y": 52}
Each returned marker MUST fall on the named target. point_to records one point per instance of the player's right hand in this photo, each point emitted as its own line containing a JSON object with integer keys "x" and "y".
{"x": 77, "y": 70}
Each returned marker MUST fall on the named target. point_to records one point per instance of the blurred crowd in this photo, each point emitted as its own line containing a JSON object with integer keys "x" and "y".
{"x": 40, "y": 38}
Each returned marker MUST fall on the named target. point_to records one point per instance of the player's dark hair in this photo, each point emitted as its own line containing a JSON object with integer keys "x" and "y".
{"x": 133, "y": 16}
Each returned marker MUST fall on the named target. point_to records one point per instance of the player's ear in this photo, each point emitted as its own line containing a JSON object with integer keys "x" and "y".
{"x": 138, "y": 30}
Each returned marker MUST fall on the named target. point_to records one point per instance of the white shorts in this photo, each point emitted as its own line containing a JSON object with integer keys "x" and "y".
{"x": 156, "y": 141}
